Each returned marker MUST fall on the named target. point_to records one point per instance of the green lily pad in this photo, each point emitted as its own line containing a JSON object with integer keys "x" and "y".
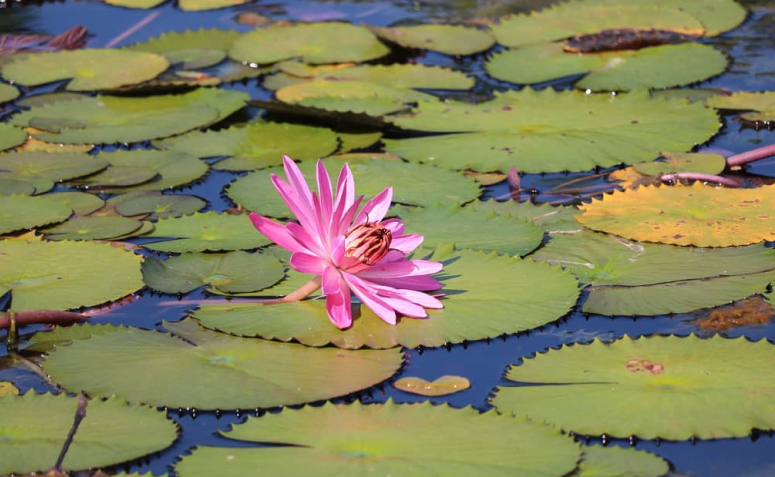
{"x": 8, "y": 93}
{"x": 55, "y": 166}
{"x": 92, "y": 228}
{"x": 354, "y": 141}
{"x": 631, "y": 278}
{"x": 109, "y": 119}
{"x": 118, "y": 176}
{"x": 11, "y": 136}
{"x": 655, "y": 67}
{"x": 761, "y": 105}
{"x": 550, "y": 218}
{"x": 671, "y": 163}
{"x": 199, "y": 5}
{"x": 466, "y": 229}
{"x": 255, "y": 145}
{"x": 159, "y": 206}
{"x": 47, "y": 98}
{"x": 209, "y": 231}
{"x": 551, "y": 131}
{"x": 201, "y": 369}
{"x": 706, "y": 388}
{"x": 66, "y": 275}
{"x": 34, "y": 428}
{"x": 173, "y": 169}
{"x": 486, "y": 295}
{"x": 390, "y": 439}
{"x": 15, "y": 187}
{"x": 20, "y": 212}
{"x": 40, "y": 184}
{"x": 192, "y": 49}
{"x": 612, "y": 461}
{"x": 328, "y": 42}
{"x": 233, "y": 272}
{"x": 447, "y": 39}
{"x": 91, "y": 69}
{"x": 411, "y": 185}
{"x": 81, "y": 202}
{"x": 571, "y": 18}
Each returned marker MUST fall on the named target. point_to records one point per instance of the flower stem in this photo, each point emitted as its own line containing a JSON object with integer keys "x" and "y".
{"x": 750, "y": 156}
{"x": 697, "y": 176}
{"x": 12, "y": 320}
{"x": 302, "y": 292}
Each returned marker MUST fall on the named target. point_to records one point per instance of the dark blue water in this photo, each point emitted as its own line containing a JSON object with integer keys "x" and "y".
{"x": 752, "y": 47}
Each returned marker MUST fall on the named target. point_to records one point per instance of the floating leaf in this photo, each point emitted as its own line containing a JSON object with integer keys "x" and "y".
{"x": 47, "y": 98}
{"x": 81, "y": 202}
{"x": 55, "y": 166}
{"x": 686, "y": 215}
{"x": 33, "y": 144}
{"x": 7, "y": 389}
{"x": 706, "y": 388}
{"x": 91, "y": 69}
{"x": 201, "y": 369}
{"x": 35, "y": 427}
{"x": 354, "y": 141}
{"x": 750, "y": 311}
{"x": 686, "y": 162}
{"x": 448, "y": 39}
{"x": 761, "y": 105}
{"x": 550, "y": 131}
{"x": 118, "y": 176}
{"x": 613, "y": 461}
{"x": 442, "y": 386}
{"x": 463, "y": 227}
{"x": 233, "y": 272}
{"x": 92, "y": 228}
{"x": 108, "y": 119}
{"x": 571, "y": 18}
{"x": 255, "y": 145}
{"x": 410, "y": 184}
{"x": 18, "y": 212}
{"x": 40, "y": 184}
{"x": 485, "y": 296}
{"x": 312, "y": 42}
{"x": 173, "y": 169}
{"x": 654, "y": 67}
{"x": 10, "y": 186}
{"x": 192, "y": 49}
{"x": 11, "y": 136}
{"x": 548, "y": 217}
{"x": 7, "y": 92}
{"x": 391, "y": 439}
{"x": 159, "y": 206}
{"x": 209, "y": 231}
{"x": 630, "y": 278}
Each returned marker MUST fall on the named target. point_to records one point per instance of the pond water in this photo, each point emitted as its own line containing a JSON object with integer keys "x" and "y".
{"x": 752, "y": 48}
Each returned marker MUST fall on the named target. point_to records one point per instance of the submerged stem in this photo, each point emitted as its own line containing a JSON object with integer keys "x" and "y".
{"x": 750, "y": 156}
{"x": 697, "y": 176}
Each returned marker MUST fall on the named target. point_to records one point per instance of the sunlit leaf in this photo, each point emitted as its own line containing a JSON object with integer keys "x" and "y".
{"x": 391, "y": 439}
{"x": 706, "y": 388}
{"x": 599, "y": 461}
{"x": 761, "y": 105}
{"x": 209, "y": 231}
{"x": 202, "y": 369}
{"x": 192, "y": 49}
{"x": 92, "y": 228}
{"x": 683, "y": 162}
{"x": 448, "y": 39}
{"x": 91, "y": 69}
{"x": 18, "y": 212}
{"x": 442, "y": 386}
{"x": 159, "y": 206}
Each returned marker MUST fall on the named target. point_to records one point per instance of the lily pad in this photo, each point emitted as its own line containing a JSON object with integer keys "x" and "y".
{"x": 705, "y": 388}
{"x": 761, "y": 105}
{"x": 209, "y": 231}
{"x": 7, "y": 389}
{"x": 486, "y": 295}
{"x": 612, "y": 461}
{"x": 34, "y": 428}
{"x": 550, "y": 218}
{"x": 20, "y": 212}
{"x": 465, "y": 228}
{"x": 233, "y": 272}
{"x": 11, "y": 136}
{"x": 159, "y": 206}
{"x": 391, "y": 439}
{"x": 172, "y": 169}
{"x": 443, "y": 386}
{"x": 549, "y": 131}
{"x": 47, "y": 98}
{"x": 192, "y": 49}
{"x": 55, "y": 166}
{"x": 571, "y": 18}
{"x": 201, "y": 369}
{"x": 630, "y": 278}
{"x": 109, "y": 119}
{"x": 410, "y": 182}
{"x": 353, "y": 141}
{"x": 81, "y": 202}
{"x": 327, "y": 42}
{"x": 91, "y": 69}
{"x": 8, "y": 93}
{"x": 683, "y": 162}
{"x": 10, "y": 186}
{"x": 40, "y": 184}
{"x": 66, "y": 275}
{"x": 686, "y": 215}
{"x": 255, "y": 145}
{"x": 655, "y": 67}
{"x": 118, "y": 176}
{"x": 92, "y": 228}
{"x": 447, "y": 39}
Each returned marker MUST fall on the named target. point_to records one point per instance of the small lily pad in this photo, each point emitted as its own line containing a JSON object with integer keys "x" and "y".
{"x": 353, "y": 141}
{"x": 761, "y": 105}
{"x": 20, "y": 212}
{"x": 56, "y": 167}
{"x": 159, "y": 206}
{"x": 81, "y": 202}
{"x": 671, "y": 163}
{"x": 442, "y": 386}
{"x": 47, "y": 98}
{"x": 40, "y": 184}
{"x": 209, "y": 231}
{"x": 192, "y": 49}
{"x": 91, "y": 69}
{"x": 92, "y": 228}
{"x": 201, "y": 369}
{"x": 447, "y": 39}
{"x": 312, "y": 42}
{"x": 11, "y": 136}
{"x": 8, "y": 93}
{"x": 118, "y": 176}
{"x": 10, "y": 186}
{"x": 173, "y": 169}
{"x": 599, "y": 461}
{"x": 233, "y": 272}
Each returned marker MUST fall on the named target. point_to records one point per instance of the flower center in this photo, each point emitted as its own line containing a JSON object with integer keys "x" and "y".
{"x": 367, "y": 243}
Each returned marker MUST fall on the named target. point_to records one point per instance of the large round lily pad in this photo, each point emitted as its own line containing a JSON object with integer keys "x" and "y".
{"x": 208, "y": 231}
{"x": 34, "y": 428}
{"x": 448, "y": 39}
{"x": 109, "y": 119}
{"x": 208, "y": 370}
{"x": 686, "y": 215}
{"x": 55, "y": 166}
{"x": 551, "y": 131}
{"x": 20, "y": 212}
{"x": 413, "y": 184}
{"x": 233, "y": 272}
{"x": 706, "y": 388}
{"x": 312, "y": 42}
{"x": 388, "y": 439}
{"x": 655, "y": 67}
{"x": 91, "y": 69}
{"x": 486, "y": 295}
{"x": 66, "y": 275}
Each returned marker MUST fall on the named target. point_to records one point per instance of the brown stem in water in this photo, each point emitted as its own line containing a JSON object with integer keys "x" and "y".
{"x": 697, "y": 176}
{"x": 750, "y": 156}
{"x": 53, "y": 317}
{"x": 80, "y": 413}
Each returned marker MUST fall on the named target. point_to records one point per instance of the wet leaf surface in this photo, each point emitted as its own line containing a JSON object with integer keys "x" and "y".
{"x": 441, "y": 386}
{"x": 205, "y": 231}
{"x": 447, "y": 39}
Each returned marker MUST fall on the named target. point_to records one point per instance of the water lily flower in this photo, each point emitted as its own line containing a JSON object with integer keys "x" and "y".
{"x": 349, "y": 250}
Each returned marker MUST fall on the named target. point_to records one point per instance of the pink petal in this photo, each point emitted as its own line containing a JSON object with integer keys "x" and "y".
{"x": 325, "y": 193}
{"x": 345, "y": 193}
{"x": 347, "y": 217}
{"x": 406, "y": 243}
{"x": 276, "y": 233}
{"x": 296, "y": 179}
{"x": 406, "y": 308}
{"x": 416, "y": 297}
{"x": 302, "y": 211}
{"x": 396, "y": 226}
{"x": 421, "y": 283}
{"x": 402, "y": 268}
{"x": 301, "y": 235}
{"x": 376, "y": 208}
{"x": 337, "y": 250}
{"x": 370, "y": 298}
{"x": 338, "y": 306}
{"x": 306, "y": 263}
{"x": 331, "y": 282}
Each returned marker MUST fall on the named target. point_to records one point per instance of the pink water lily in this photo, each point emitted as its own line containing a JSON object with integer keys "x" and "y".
{"x": 350, "y": 250}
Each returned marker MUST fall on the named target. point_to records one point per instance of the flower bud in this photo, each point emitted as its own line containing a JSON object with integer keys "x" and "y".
{"x": 368, "y": 243}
